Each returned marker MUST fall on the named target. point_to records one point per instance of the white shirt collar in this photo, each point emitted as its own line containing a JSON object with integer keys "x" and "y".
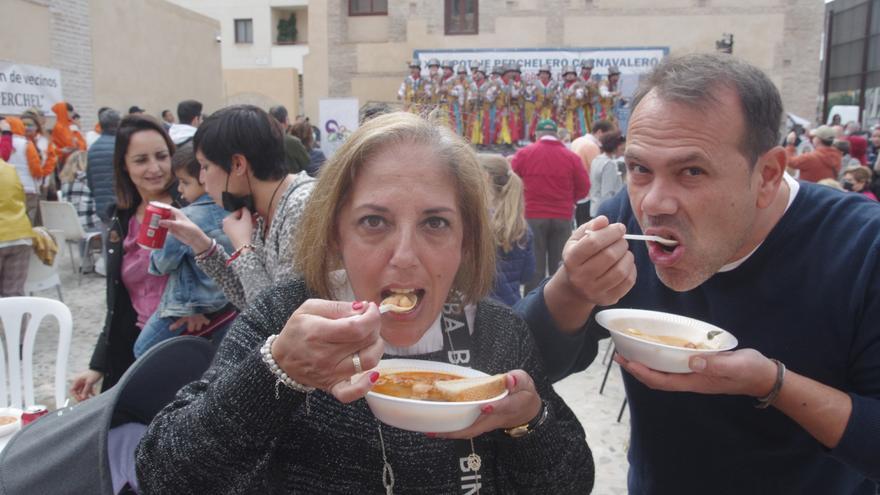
{"x": 549, "y": 138}
{"x": 793, "y": 188}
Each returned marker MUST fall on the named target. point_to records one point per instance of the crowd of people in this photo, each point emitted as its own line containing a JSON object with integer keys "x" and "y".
{"x": 282, "y": 258}
{"x": 842, "y": 157}
{"x": 501, "y": 106}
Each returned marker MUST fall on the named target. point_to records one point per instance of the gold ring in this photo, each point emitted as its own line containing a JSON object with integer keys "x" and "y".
{"x": 356, "y": 359}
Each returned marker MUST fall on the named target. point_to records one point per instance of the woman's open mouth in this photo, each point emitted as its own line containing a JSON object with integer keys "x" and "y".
{"x": 400, "y": 301}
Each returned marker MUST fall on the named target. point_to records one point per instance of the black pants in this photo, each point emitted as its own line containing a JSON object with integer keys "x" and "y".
{"x": 582, "y": 213}
{"x": 550, "y": 236}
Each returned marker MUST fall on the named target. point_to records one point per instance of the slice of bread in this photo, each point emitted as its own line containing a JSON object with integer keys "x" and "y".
{"x": 468, "y": 389}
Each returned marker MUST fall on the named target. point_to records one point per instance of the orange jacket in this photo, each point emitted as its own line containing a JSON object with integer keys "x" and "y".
{"x": 62, "y": 136}
{"x": 37, "y": 168}
{"x": 80, "y": 140}
{"x": 823, "y": 163}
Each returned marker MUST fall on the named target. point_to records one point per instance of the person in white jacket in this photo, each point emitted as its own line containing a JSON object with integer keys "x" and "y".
{"x": 606, "y": 177}
{"x": 189, "y": 114}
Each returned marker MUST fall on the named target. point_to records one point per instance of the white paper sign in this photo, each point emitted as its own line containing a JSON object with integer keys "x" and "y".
{"x": 628, "y": 60}
{"x": 339, "y": 118}
{"x": 25, "y": 86}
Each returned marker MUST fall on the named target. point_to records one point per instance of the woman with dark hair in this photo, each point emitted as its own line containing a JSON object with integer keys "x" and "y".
{"x": 142, "y": 173}
{"x": 303, "y": 131}
{"x": 244, "y": 171}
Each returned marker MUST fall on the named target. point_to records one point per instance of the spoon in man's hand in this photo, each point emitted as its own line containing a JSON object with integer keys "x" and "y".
{"x": 657, "y": 239}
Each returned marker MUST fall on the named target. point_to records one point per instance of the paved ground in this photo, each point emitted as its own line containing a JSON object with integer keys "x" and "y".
{"x": 598, "y": 413}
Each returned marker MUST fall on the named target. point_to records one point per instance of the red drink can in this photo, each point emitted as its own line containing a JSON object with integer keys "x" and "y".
{"x": 33, "y": 413}
{"x": 151, "y": 235}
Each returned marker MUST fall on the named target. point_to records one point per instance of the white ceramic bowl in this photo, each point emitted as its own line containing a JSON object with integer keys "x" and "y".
{"x": 422, "y": 415}
{"x": 11, "y": 427}
{"x": 661, "y": 357}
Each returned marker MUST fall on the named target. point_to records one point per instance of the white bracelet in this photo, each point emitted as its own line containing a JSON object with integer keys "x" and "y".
{"x": 207, "y": 252}
{"x": 279, "y": 373}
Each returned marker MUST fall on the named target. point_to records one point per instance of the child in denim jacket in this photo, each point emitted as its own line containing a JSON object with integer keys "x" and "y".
{"x": 190, "y": 296}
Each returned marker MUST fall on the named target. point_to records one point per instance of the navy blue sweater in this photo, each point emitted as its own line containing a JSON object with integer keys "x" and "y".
{"x": 810, "y": 297}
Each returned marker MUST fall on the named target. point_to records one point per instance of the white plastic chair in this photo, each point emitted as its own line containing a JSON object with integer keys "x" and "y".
{"x": 41, "y": 277}
{"x": 20, "y": 372}
{"x": 61, "y": 215}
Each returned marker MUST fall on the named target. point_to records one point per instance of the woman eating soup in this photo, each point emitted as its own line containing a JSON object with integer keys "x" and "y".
{"x": 400, "y": 209}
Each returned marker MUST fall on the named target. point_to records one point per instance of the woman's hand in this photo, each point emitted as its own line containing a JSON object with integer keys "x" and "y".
{"x": 187, "y": 232}
{"x": 193, "y": 323}
{"x": 84, "y": 384}
{"x": 317, "y": 344}
{"x": 521, "y": 405}
{"x": 239, "y": 227}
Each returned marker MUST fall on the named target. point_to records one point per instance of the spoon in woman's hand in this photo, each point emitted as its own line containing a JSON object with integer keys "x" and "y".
{"x": 657, "y": 239}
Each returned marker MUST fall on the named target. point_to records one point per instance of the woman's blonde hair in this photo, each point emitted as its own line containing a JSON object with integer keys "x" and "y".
{"x": 76, "y": 162}
{"x": 317, "y": 243}
{"x": 508, "y": 223}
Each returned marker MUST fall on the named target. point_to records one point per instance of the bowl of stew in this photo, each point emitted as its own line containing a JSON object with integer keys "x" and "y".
{"x": 663, "y": 341}
{"x": 403, "y": 397}
{"x": 10, "y": 420}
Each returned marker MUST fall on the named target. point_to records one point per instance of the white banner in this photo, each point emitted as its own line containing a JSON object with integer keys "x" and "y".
{"x": 628, "y": 60}
{"x": 339, "y": 118}
{"x": 25, "y": 86}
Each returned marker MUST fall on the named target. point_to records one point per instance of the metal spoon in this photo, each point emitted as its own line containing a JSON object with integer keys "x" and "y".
{"x": 657, "y": 239}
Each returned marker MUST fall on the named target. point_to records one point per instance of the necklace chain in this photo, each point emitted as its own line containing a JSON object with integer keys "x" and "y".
{"x": 387, "y": 472}
{"x": 272, "y": 199}
{"x": 474, "y": 462}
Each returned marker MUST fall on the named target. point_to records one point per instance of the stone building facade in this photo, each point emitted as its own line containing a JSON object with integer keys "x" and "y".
{"x": 149, "y": 53}
{"x": 365, "y": 56}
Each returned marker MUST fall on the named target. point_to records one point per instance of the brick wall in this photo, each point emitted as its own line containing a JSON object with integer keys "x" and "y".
{"x": 801, "y": 70}
{"x": 70, "y": 31}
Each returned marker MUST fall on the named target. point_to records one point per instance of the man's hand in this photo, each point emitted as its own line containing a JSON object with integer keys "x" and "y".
{"x": 741, "y": 372}
{"x": 597, "y": 270}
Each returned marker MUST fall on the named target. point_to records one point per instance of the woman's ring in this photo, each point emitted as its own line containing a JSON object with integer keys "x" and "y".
{"x": 356, "y": 359}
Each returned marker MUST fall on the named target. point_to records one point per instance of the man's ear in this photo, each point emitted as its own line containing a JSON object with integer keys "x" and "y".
{"x": 769, "y": 170}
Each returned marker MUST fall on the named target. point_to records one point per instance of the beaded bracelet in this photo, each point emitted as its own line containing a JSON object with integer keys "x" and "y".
{"x": 769, "y": 399}
{"x": 282, "y": 378}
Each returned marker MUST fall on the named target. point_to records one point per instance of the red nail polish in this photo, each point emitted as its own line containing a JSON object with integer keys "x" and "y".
{"x": 430, "y": 435}
{"x": 357, "y": 305}
{"x": 487, "y": 409}
{"x": 374, "y": 377}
